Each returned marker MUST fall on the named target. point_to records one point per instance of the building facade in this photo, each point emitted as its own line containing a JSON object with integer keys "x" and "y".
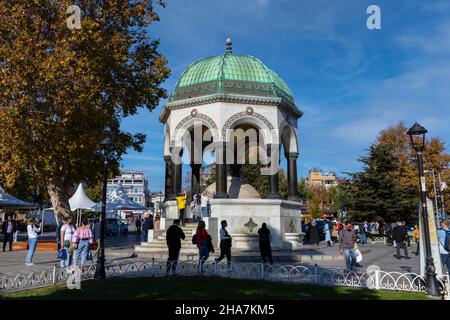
{"x": 157, "y": 200}
{"x": 135, "y": 185}
{"x": 317, "y": 177}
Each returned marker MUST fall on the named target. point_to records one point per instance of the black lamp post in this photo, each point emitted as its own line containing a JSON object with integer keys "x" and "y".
{"x": 100, "y": 269}
{"x": 417, "y": 135}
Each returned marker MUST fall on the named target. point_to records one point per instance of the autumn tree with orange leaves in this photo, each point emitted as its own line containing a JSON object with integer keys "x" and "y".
{"x": 388, "y": 185}
{"x": 63, "y": 90}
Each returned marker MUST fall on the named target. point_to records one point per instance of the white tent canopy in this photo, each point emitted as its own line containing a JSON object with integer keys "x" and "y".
{"x": 80, "y": 201}
{"x": 119, "y": 200}
{"x": 7, "y": 201}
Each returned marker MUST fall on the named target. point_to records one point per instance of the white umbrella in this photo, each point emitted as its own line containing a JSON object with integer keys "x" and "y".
{"x": 80, "y": 201}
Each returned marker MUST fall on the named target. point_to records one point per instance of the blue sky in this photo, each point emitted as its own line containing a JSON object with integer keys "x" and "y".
{"x": 349, "y": 81}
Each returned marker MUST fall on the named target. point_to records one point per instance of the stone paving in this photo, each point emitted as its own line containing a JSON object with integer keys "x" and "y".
{"x": 117, "y": 248}
{"x": 122, "y": 249}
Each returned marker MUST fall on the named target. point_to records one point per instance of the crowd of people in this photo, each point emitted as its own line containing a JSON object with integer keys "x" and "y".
{"x": 198, "y": 204}
{"x": 75, "y": 244}
{"x": 204, "y": 243}
{"x": 397, "y": 235}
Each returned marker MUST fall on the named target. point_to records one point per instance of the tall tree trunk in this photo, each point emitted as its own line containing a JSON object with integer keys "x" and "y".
{"x": 59, "y": 199}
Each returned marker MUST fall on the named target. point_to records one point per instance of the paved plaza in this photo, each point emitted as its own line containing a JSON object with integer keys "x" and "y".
{"x": 121, "y": 249}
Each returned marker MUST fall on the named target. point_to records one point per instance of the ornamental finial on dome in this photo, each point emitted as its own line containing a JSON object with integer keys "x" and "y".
{"x": 229, "y": 44}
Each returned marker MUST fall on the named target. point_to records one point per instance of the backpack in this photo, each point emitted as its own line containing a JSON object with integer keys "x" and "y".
{"x": 446, "y": 242}
{"x": 210, "y": 244}
{"x": 194, "y": 239}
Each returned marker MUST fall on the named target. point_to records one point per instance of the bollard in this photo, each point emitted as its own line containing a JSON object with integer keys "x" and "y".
{"x": 377, "y": 279}
{"x": 153, "y": 266}
{"x": 262, "y": 271}
{"x": 315, "y": 273}
{"x": 54, "y": 276}
{"x": 447, "y": 289}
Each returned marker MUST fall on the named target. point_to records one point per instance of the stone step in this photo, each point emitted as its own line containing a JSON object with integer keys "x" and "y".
{"x": 139, "y": 249}
{"x": 163, "y": 242}
{"x": 240, "y": 256}
{"x": 164, "y": 245}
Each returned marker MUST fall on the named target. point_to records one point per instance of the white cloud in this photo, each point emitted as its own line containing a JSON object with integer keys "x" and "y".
{"x": 432, "y": 41}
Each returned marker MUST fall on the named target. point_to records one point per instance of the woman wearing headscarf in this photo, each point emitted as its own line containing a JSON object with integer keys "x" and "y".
{"x": 327, "y": 232}
{"x": 264, "y": 243}
{"x": 314, "y": 233}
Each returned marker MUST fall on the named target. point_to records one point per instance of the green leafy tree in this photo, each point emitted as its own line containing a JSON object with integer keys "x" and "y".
{"x": 377, "y": 189}
{"x": 342, "y": 197}
{"x": 62, "y": 90}
{"x": 388, "y": 187}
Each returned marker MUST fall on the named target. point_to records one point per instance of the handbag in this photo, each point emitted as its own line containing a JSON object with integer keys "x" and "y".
{"x": 89, "y": 256}
{"x": 358, "y": 255}
{"x": 62, "y": 254}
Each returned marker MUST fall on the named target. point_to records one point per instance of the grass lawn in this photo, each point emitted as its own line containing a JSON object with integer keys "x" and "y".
{"x": 208, "y": 288}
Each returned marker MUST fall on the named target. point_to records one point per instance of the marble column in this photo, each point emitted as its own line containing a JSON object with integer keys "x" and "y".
{"x": 168, "y": 187}
{"x": 292, "y": 176}
{"x": 195, "y": 178}
{"x": 274, "y": 192}
{"x": 177, "y": 175}
{"x": 221, "y": 171}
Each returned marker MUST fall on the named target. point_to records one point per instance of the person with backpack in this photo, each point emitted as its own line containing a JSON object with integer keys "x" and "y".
{"x": 201, "y": 240}
{"x": 174, "y": 235}
{"x": 66, "y": 234}
{"x": 264, "y": 244}
{"x": 225, "y": 243}
{"x": 444, "y": 237}
{"x": 399, "y": 235}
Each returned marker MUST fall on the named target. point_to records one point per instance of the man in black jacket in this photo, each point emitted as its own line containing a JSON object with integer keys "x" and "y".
{"x": 399, "y": 235}
{"x": 8, "y": 229}
{"x": 174, "y": 235}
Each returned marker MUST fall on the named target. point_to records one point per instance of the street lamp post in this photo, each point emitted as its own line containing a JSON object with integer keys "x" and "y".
{"x": 100, "y": 268}
{"x": 417, "y": 135}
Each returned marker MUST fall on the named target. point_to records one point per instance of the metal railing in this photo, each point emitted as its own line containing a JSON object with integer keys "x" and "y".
{"x": 383, "y": 240}
{"x": 376, "y": 279}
